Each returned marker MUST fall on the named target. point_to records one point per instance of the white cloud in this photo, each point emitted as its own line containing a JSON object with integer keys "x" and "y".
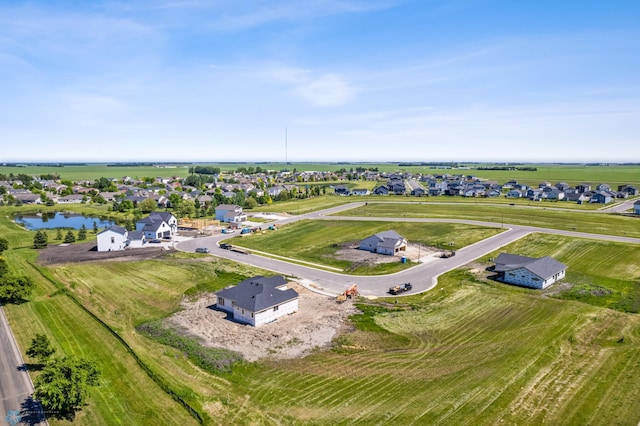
{"x": 326, "y": 89}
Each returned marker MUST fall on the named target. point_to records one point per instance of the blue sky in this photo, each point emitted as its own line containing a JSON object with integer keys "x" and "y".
{"x": 351, "y": 80}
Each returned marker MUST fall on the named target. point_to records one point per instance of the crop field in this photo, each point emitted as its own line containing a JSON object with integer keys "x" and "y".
{"x": 613, "y": 175}
{"x": 318, "y": 241}
{"x": 592, "y": 222}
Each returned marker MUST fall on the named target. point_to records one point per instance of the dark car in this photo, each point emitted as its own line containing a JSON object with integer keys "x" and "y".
{"x": 202, "y": 250}
{"x": 225, "y": 246}
{"x": 155, "y": 241}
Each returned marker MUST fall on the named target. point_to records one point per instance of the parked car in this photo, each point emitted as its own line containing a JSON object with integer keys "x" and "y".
{"x": 202, "y": 250}
{"x": 155, "y": 241}
{"x": 225, "y": 246}
{"x": 227, "y": 231}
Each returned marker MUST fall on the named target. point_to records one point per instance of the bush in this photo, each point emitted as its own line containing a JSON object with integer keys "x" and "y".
{"x": 213, "y": 360}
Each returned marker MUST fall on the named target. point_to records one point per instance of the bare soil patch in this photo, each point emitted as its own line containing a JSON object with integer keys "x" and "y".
{"x": 350, "y": 251}
{"x": 318, "y": 321}
{"x": 87, "y": 252}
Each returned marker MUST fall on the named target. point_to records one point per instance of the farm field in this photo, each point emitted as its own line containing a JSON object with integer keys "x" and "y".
{"x": 613, "y": 175}
{"x": 318, "y": 241}
{"x": 596, "y": 223}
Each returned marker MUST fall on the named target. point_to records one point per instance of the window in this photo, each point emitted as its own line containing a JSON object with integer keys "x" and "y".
{"x": 113, "y": 240}
{"x": 275, "y": 308}
{"x": 220, "y": 301}
{"x": 251, "y": 314}
{"x": 243, "y": 312}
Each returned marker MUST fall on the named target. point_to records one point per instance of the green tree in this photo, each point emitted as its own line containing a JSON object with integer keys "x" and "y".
{"x": 40, "y": 240}
{"x": 82, "y": 233}
{"x": 41, "y": 348}
{"x": 4, "y": 267}
{"x": 250, "y": 203}
{"x": 147, "y": 205}
{"x": 95, "y": 227}
{"x": 14, "y": 289}
{"x": 4, "y": 244}
{"x": 59, "y": 234}
{"x": 69, "y": 238}
{"x": 63, "y": 385}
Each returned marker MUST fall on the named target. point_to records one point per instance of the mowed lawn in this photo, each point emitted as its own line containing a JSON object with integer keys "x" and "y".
{"x": 469, "y": 351}
{"x": 318, "y": 241}
{"x": 601, "y": 273}
{"x": 465, "y": 353}
{"x": 592, "y": 222}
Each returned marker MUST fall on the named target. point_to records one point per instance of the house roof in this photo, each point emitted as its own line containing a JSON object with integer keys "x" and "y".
{"x": 259, "y": 293}
{"x": 136, "y": 235}
{"x": 544, "y": 267}
{"x": 228, "y": 207}
{"x": 115, "y": 228}
{"x": 166, "y": 216}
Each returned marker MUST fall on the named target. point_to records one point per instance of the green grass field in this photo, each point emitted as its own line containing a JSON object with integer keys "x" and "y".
{"x": 471, "y": 351}
{"x": 595, "y": 223}
{"x": 318, "y": 241}
{"x": 589, "y": 273}
{"x": 572, "y": 174}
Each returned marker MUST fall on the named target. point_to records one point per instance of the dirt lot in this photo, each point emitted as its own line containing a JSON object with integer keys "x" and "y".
{"x": 359, "y": 257}
{"x": 315, "y": 325}
{"x": 87, "y": 252}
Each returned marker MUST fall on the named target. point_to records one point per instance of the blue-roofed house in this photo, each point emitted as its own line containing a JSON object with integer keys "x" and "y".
{"x": 258, "y": 300}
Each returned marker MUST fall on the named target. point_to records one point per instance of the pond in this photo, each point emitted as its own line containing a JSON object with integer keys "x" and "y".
{"x": 61, "y": 220}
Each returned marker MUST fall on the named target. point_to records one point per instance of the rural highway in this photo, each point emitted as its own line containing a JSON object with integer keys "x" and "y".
{"x": 16, "y": 405}
{"x": 423, "y": 277}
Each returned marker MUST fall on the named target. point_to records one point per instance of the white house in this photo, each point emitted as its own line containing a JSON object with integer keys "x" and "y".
{"x": 113, "y": 238}
{"x": 636, "y": 207}
{"x": 387, "y": 242}
{"x": 158, "y": 225}
{"x": 136, "y": 239}
{"x": 258, "y": 300}
{"x": 529, "y": 271}
{"x": 230, "y": 213}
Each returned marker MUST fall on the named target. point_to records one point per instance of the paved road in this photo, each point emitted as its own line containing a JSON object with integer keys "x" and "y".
{"x": 423, "y": 277}
{"x": 15, "y": 385}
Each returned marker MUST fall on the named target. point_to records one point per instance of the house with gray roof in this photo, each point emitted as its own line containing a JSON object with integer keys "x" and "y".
{"x": 529, "y": 271}
{"x": 113, "y": 238}
{"x": 386, "y": 242}
{"x": 158, "y": 225}
{"x": 258, "y": 300}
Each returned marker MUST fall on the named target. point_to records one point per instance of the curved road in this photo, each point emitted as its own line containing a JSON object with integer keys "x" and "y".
{"x": 423, "y": 277}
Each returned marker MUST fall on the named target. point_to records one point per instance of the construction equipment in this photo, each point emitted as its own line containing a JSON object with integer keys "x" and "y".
{"x": 349, "y": 293}
{"x": 400, "y": 288}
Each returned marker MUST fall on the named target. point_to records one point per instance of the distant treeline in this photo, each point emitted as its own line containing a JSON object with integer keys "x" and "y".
{"x": 452, "y": 165}
{"x": 204, "y": 170}
{"x": 521, "y": 169}
{"x": 37, "y": 165}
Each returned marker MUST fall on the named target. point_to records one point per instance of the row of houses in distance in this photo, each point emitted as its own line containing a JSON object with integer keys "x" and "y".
{"x": 470, "y": 186}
